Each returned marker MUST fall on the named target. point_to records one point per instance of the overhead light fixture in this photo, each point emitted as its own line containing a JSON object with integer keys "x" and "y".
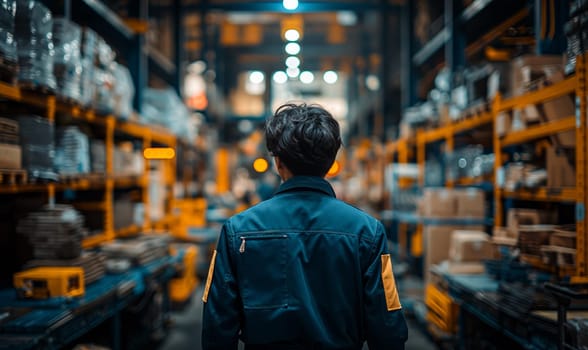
{"x": 292, "y": 48}
{"x": 197, "y": 67}
{"x": 280, "y": 77}
{"x": 292, "y": 35}
{"x": 292, "y": 61}
{"x": 256, "y": 77}
{"x": 346, "y": 18}
{"x": 293, "y": 72}
{"x": 290, "y": 4}
{"x": 306, "y": 77}
{"x": 330, "y": 77}
{"x": 372, "y": 82}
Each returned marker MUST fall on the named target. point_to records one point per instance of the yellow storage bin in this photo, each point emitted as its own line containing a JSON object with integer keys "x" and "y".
{"x": 442, "y": 311}
{"x": 48, "y": 282}
{"x": 182, "y": 287}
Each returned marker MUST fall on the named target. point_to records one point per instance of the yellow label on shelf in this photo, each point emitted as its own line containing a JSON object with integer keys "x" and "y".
{"x": 159, "y": 153}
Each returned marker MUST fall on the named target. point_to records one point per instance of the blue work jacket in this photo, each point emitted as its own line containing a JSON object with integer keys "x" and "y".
{"x": 302, "y": 270}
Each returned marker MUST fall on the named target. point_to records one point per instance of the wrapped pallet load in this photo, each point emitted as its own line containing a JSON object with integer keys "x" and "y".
{"x": 8, "y": 57}
{"x": 34, "y": 36}
{"x": 67, "y": 68}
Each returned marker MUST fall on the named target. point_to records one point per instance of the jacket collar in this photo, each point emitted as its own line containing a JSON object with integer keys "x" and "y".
{"x": 314, "y": 183}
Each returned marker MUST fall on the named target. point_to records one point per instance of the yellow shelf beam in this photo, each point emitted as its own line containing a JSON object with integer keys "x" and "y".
{"x": 10, "y": 92}
{"x": 92, "y": 182}
{"x": 540, "y": 131}
{"x": 128, "y": 181}
{"x": 472, "y": 123}
{"x": 564, "y": 87}
{"x": 93, "y": 241}
{"x": 127, "y": 231}
{"x": 543, "y": 194}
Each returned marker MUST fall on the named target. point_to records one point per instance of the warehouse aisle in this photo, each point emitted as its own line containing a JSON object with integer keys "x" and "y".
{"x": 185, "y": 332}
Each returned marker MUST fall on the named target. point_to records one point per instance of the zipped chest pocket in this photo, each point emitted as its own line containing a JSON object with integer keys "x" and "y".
{"x": 262, "y": 271}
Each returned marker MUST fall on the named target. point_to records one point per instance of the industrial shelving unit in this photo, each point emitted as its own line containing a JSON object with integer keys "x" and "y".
{"x": 107, "y": 182}
{"x": 55, "y": 322}
{"x": 401, "y": 151}
{"x": 466, "y": 33}
{"x": 574, "y": 85}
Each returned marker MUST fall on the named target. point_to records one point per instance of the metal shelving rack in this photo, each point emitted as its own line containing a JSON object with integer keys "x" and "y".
{"x": 108, "y": 182}
{"x": 573, "y": 85}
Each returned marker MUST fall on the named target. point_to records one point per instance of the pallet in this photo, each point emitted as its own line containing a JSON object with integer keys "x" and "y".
{"x": 558, "y": 256}
{"x": 13, "y": 177}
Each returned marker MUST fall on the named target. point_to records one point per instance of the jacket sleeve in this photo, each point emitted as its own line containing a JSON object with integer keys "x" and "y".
{"x": 221, "y": 319}
{"x": 384, "y": 323}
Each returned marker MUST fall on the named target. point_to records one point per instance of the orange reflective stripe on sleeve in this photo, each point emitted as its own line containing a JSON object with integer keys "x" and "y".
{"x": 209, "y": 278}
{"x": 392, "y": 299}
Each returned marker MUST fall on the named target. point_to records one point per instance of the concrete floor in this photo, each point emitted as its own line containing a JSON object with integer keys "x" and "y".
{"x": 186, "y": 328}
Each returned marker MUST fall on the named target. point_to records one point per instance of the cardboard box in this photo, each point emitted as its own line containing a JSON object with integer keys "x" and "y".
{"x": 530, "y": 68}
{"x": 561, "y": 168}
{"x": 10, "y": 156}
{"x": 503, "y": 124}
{"x": 471, "y": 202}
{"x": 517, "y": 217}
{"x": 470, "y": 246}
{"x": 459, "y": 268}
{"x": 563, "y": 238}
{"x": 559, "y": 108}
{"x": 436, "y": 244}
{"x": 439, "y": 202}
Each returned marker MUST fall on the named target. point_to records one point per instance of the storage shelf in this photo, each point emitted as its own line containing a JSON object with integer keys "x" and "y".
{"x": 167, "y": 220}
{"x": 544, "y": 194}
{"x": 127, "y": 231}
{"x": 81, "y": 183}
{"x": 413, "y": 218}
{"x": 537, "y": 263}
{"x": 540, "y": 131}
{"x": 156, "y": 133}
{"x": 460, "y": 126}
{"x": 93, "y": 241}
{"x": 561, "y": 88}
{"x": 483, "y": 181}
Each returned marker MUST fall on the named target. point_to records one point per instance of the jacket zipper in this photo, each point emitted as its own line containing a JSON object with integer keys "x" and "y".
{"x": 242, "y": 247}
{"x": 243, "y": 238}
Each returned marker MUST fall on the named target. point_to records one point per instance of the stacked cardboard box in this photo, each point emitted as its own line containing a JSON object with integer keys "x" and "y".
{"x": 9, "y": 145}
{"x": 452, "y": 203}
{"x": 437, "y": 241}
{"x": 561, "y": 167}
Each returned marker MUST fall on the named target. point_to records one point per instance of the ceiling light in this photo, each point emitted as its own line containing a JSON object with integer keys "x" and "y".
{"x": 280, "y": 77}
{"x": 292, "y": 61}
{"x": 293, "y": 72}
{"x": 256, "y": 77}
{"x": 330, "y": 77}
{"x": 292, "y": 48}
{"x": 197, "y": 67}
{"x": 372, "y": 82}
{"x": 346, "y": 18}
{"x": 290, "y": 4}
{"x": 306, "y": 77}
{"x": 292, "y": 35}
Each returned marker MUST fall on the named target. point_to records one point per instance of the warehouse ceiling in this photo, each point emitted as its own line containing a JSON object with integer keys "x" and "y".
{"x": 245, "y": 35}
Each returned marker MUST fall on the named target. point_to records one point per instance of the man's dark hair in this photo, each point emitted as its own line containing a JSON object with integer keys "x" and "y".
{"x": 305, "y": 137}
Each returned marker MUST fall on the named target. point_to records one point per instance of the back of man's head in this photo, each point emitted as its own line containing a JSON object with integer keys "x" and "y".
{"x": 305, "y": 138}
